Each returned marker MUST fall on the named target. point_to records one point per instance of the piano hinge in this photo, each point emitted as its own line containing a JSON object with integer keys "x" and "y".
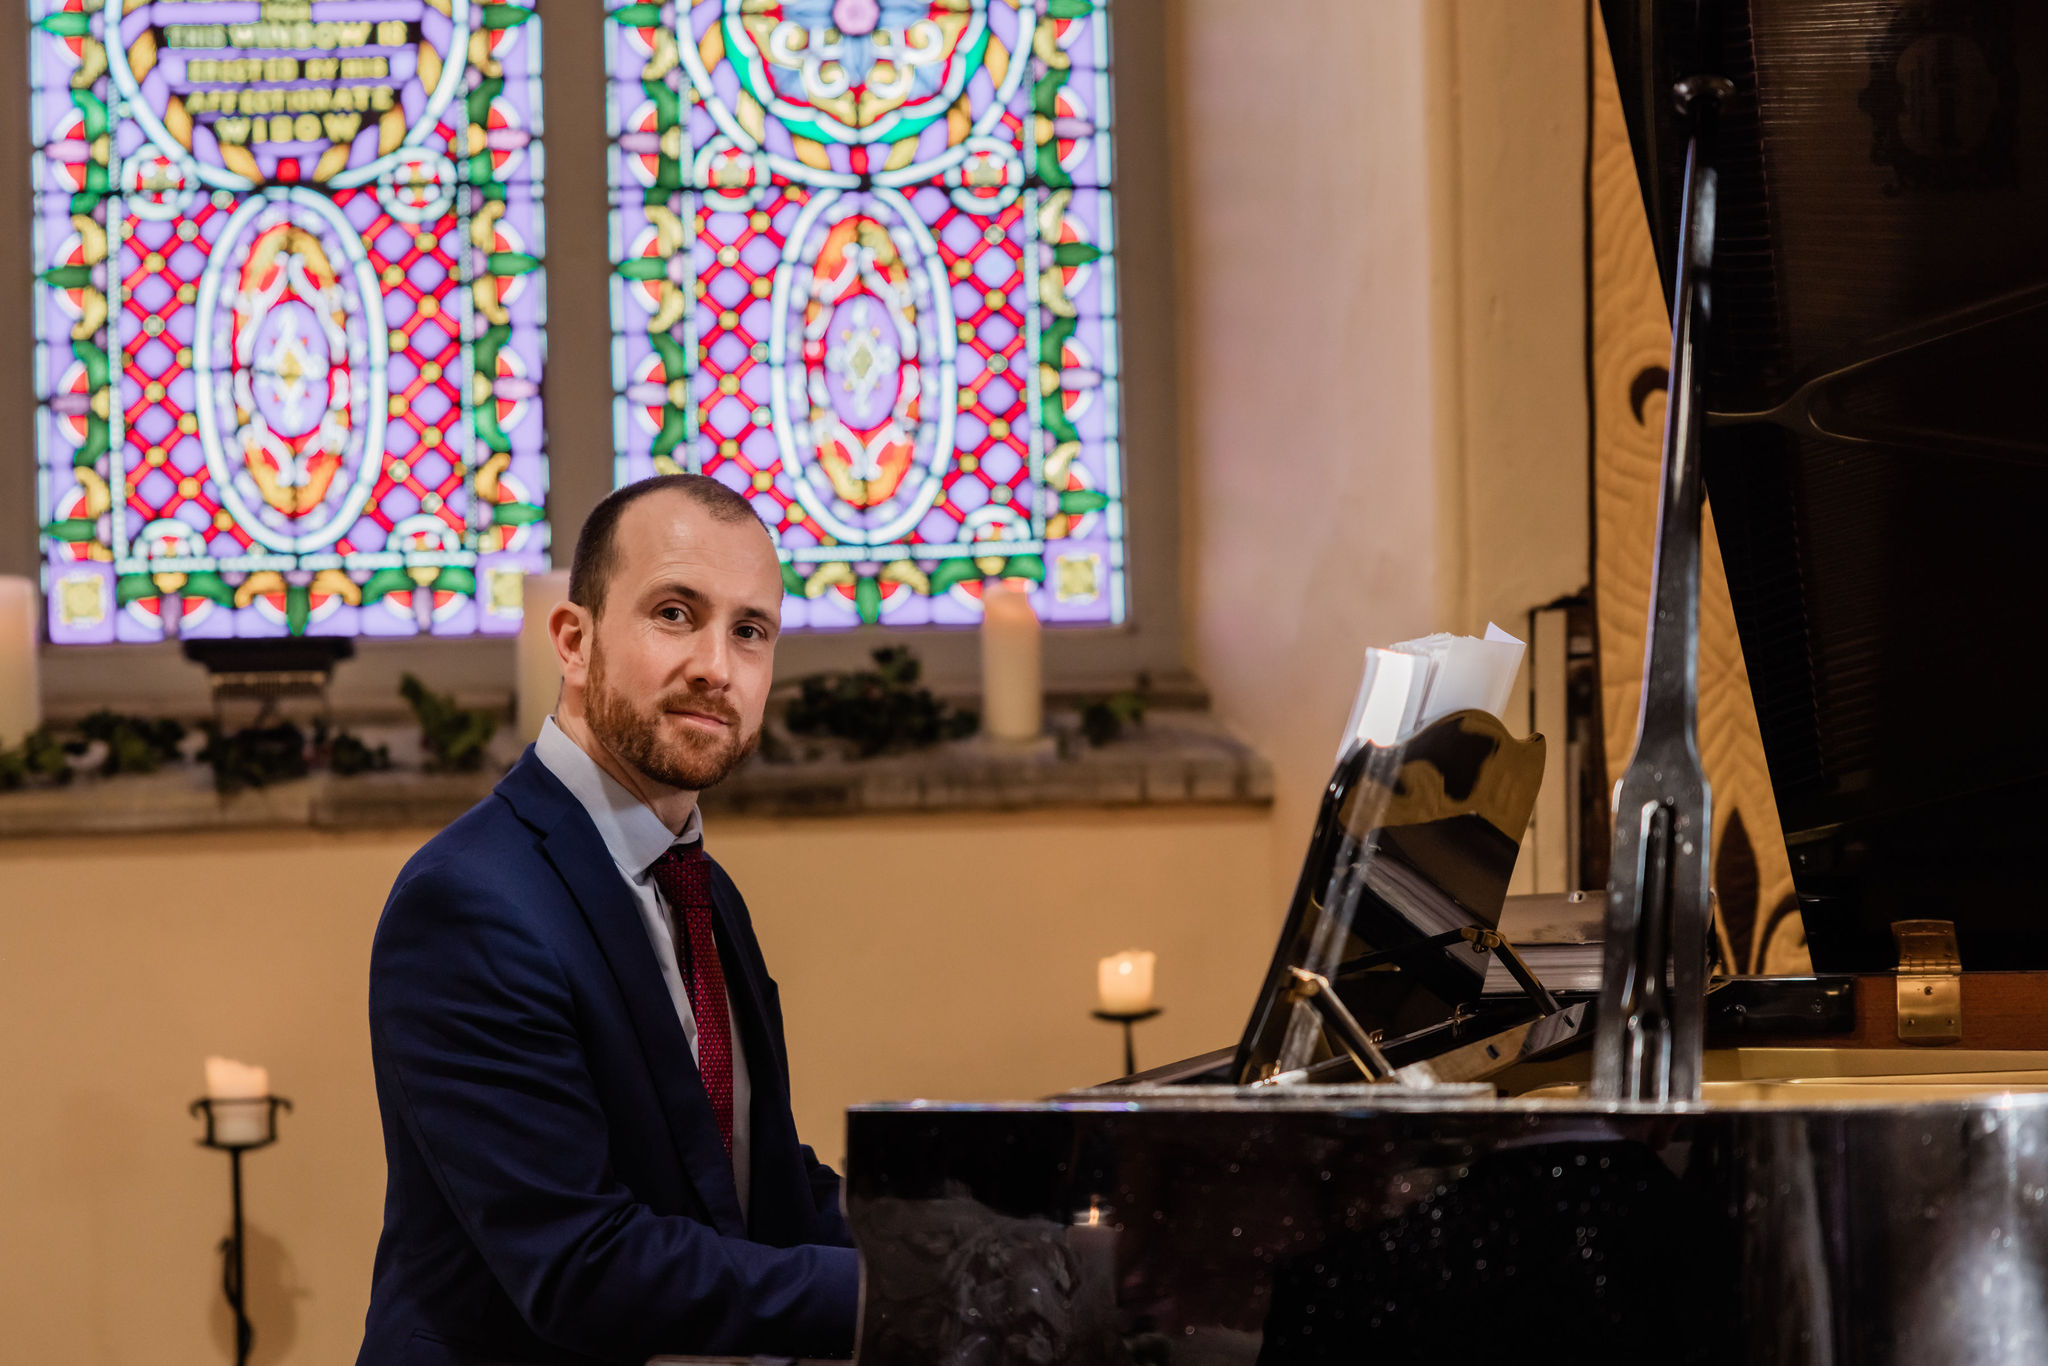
{"x": 1930, "y": 982}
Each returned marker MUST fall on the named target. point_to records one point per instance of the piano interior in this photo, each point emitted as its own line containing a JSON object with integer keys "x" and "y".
{"x": 1848, "y": 197}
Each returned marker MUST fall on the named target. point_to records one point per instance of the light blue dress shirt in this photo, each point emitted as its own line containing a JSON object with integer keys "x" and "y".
{"x": 635, "y": 837}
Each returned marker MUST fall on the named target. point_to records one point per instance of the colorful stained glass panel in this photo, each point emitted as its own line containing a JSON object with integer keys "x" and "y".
{"x": 864, "y": 273}
{"x": 289, "y": 310}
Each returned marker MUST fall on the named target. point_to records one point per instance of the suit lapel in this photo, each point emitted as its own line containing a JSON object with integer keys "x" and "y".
{"x": 572, "y": 845}
{"x": 773, "y": 1133}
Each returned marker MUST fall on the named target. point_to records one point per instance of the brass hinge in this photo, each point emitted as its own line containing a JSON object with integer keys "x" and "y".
{"x": 1930, "y": 982}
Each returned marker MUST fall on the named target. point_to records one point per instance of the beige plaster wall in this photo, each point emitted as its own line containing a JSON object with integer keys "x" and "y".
{"x": 946, "y": 957}
{"x": 1309, "y": 501}
{"x": 1381, "y": 321}
{"x": 1508, "y": 123}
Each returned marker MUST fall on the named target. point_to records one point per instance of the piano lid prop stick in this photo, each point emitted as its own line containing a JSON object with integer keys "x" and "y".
{"x": 1651, "y": 1028}
{"x": 1344, "y": 1028}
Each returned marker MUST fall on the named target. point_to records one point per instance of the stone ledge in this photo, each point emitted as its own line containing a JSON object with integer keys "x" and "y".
{"x": 1175, "y": 759}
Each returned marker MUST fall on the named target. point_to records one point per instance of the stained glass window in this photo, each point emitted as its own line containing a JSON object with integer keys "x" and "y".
{"x": 289, "y": 311}
{"x": 863, "y": 273}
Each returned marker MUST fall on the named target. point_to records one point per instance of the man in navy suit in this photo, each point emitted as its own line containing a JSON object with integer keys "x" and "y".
{"x": 578, "y": 1047}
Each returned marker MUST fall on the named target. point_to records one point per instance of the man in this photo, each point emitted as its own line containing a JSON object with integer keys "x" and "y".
{"x": 578, "y": 1048}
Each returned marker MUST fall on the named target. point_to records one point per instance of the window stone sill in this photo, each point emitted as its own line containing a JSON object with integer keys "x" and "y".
{"x": 1176, "y": 759}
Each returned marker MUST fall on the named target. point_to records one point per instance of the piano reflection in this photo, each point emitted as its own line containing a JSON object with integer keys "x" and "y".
{"x": 1392, "y": 1164}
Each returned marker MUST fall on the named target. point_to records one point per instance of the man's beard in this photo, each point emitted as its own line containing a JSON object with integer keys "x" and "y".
{"x": 688, "y": 758}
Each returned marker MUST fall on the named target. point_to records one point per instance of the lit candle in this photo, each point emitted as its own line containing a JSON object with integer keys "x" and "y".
{"x": 1124, "y": 982}
{"x": 241, "y": 1101}
{"x": 21, "y": 701}
{"x": 1012, "y": 696}
{"x": 540, "y": 670}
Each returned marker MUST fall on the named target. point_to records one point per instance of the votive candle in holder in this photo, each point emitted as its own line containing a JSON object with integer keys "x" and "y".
{"x": 1124, "y": 982}
{"x": 1012, "y": 687}
{"x": 539, "y": 680}
{"x": 21, "y": 699}
{"x": 240, "y": 1096}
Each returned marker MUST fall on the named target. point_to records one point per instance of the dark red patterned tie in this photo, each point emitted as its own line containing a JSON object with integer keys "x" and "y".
{"x": 685, "y": 879}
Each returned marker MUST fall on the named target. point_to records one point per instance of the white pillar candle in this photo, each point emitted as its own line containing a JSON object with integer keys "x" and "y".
{"x": 21, "y": 700}
{"x": 1124, "y": 982}
{"x": 241, "y": 1101}
{"x": 1012, "y": 693}
{"x": 540, "y": 671}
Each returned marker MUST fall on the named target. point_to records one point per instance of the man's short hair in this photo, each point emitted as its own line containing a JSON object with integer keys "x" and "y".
{"x": 597, "y": 555}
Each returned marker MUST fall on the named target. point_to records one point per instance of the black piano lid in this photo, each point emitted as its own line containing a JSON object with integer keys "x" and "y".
{"x": 1877, "y": 452}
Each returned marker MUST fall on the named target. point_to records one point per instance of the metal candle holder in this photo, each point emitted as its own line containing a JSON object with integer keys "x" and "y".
{"x": 1127, "y": 1019}
{"x": 231, "y": 1281}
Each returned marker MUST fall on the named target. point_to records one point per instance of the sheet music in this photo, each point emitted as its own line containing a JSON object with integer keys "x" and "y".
{"x": 1407, "y": 685}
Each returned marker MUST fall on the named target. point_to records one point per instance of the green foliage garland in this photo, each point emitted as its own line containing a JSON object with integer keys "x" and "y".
{"x": 878, "y": 709}
{"x": 254, "y": 756}
{"x": 346, "y": 753}
{"x": 37, "y": 756}
{"x": 135, "y": 744}
{"x": 455, "y": 738}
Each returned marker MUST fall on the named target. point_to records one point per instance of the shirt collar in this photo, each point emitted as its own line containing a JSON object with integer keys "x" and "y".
{"x": 633, "y": 835}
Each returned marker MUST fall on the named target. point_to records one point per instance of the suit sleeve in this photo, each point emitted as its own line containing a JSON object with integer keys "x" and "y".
{"x": 472, "y": 1017}
{"x": 829, "y": 1227}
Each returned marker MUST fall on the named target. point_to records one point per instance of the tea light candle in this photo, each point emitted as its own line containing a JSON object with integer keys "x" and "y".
{"x": 1012, "y": 693}
{"x": 1124, "y": 982}
{"x": 21, "y": 701}
{"x": 540, "y": 670}
{"x": 241, "y": 1101}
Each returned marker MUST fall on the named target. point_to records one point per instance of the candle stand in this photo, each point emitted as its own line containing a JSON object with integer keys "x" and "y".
{"x": 1127, "y": 1019}
{"x": 228, "y": 1130}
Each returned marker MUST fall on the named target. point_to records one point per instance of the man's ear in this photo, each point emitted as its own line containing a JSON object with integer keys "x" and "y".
{"x": 571, "y": 626}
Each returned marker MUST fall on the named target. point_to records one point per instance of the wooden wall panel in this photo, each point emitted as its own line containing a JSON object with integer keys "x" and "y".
{"x": 1631, "y": 343}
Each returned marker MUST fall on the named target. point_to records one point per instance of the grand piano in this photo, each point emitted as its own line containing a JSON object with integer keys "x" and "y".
{"x": 1850, "y": 200}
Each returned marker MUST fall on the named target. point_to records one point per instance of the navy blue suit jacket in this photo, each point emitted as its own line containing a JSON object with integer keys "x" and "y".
{"x": 557, "y": 1189}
